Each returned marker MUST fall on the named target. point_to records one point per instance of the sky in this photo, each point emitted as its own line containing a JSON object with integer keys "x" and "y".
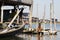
{"x": 40, "y": 5}
{"x": 38, "y": 9}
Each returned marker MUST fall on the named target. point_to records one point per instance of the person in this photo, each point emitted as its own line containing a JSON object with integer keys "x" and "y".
{"x": 39, "y": 29}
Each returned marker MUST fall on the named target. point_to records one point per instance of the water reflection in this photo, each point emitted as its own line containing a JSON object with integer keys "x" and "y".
{"x": 46, "y": 37}
{"x": 32, "y": 37}
{"x": 53, "y": 37}
{"x": 11, "y": 38}
{"x": 39, "y": 37}
{"x": 29, "y": 37}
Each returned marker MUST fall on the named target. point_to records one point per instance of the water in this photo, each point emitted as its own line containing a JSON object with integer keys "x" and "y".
{"x": 33, "y": 36}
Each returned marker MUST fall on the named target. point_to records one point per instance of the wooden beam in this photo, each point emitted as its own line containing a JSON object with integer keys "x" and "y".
{"x": 1, "y": 14}
{"x": 18, "y": 11}
{"x": 30, "y": 16}
{"x": 18, "y": 19}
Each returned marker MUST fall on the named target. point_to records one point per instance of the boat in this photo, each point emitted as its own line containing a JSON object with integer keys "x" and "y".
{"x": 10, "y": 32}
{"x": 28, "y": 32}
{"x": 10, "y": 28}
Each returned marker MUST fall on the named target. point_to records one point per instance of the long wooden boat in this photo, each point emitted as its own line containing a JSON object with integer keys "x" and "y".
{"x": 10, "y": 32}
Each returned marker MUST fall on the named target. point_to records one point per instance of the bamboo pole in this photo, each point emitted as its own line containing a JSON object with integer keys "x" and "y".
{"x": 37, "y": 17}
{"x": 44, "y": 16}
{"x": 54, "y": 24}
{"x": 51, "y": 11}
{"x": 54, "y": 17}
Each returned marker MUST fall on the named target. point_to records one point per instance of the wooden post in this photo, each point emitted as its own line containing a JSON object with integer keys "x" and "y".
{"x": 37, "y": 17}
{"x": 18, "y": 19}
{"x": 55, "y": 32}
{"x": 18, "y": 15}
{"x": 54, "y": 24}
{"x": 44, "y": 17}
{"x": 30, "y": 16}
{"x": 54, "y": 17}
{"x": 52, "y": 12}
{"x": 51, "y": 16}
{"x": 1, "y": 14}
{"x": 30, "y": 19}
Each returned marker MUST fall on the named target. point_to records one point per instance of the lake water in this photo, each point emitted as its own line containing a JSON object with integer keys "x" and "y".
{"x": 35, "y": 37}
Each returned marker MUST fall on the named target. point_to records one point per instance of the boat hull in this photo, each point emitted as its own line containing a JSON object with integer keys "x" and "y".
{"x": 13, "y": 33}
